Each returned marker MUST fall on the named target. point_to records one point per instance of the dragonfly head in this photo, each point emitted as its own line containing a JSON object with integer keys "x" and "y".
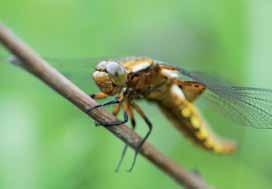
{"x": 110, "y": 76}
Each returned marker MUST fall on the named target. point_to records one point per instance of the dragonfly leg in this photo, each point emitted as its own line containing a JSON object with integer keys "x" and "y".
{"x": 118, "y": 101}
{"x": 114, "y": 123}
{"x": 116, "y": 109}
{"x": 99, "y": 95}
{"x": 115, "y": 101}
{"x": 149, "y": 124}
{"x": 133, "y": 124}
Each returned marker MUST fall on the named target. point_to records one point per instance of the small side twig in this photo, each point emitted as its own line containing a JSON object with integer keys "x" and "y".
{"x": 33, "y": 63}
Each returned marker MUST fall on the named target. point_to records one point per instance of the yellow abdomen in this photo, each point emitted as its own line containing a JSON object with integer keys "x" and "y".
{"x": 187, "y": 119}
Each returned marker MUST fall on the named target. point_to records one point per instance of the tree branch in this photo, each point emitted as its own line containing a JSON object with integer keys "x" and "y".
{"x": 33, "y": 63}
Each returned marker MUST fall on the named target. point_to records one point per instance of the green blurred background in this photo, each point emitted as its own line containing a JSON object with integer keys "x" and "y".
{"x": 45, "y": 142}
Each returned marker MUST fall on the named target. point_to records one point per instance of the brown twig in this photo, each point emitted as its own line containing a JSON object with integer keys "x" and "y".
{"x": 33, "y": 63}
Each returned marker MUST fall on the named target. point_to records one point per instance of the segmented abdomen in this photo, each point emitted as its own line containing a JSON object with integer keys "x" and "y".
{"x": 187, "y": 119}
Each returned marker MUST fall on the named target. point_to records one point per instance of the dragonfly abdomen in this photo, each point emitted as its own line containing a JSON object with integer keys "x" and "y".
{"x": 186, "y": 119}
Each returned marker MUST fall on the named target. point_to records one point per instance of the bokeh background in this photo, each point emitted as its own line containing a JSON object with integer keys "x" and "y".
{"x": 45, "y": 142}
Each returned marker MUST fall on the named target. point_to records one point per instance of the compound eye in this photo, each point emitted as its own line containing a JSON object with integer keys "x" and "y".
{"x": 115, "y": 69}
{"x": 101, "y": 65}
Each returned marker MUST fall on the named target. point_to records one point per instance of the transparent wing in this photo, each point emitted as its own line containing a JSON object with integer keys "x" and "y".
{"x": 247, "y": 105}
{"x": 76, "y": 66}
{"x": 80, "y": 70}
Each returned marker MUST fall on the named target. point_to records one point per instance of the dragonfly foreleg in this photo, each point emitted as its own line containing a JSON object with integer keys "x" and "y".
{"x": 118, "y": 101}
{"x": 99, "y": 95}
{"x": 115, "y": 101}
{"x": 149, "y": 124}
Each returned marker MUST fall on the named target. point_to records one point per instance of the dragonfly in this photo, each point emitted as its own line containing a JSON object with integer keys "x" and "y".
{"x": 133, "y": 78}
{"x": 175, "y": 90}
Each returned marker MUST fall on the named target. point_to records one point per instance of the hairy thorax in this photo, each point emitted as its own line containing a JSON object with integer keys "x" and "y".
{"x": 148, "y": 83}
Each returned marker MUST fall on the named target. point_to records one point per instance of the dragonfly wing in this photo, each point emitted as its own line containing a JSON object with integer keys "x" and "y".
{"x": 80, "y": 70}
{"x": 76, "y": 69}
{"x": 248, "y": 106}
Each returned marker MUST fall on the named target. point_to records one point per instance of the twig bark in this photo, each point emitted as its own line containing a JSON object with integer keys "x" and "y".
{"x": 33, "y": 63}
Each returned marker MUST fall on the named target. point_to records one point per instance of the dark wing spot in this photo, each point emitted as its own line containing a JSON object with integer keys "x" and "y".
{"x": 180, "y": 86}
{"x": 196, "y": 86}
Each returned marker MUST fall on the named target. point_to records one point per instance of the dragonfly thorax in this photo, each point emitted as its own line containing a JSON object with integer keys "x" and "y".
{"x": 110, "y": 76}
